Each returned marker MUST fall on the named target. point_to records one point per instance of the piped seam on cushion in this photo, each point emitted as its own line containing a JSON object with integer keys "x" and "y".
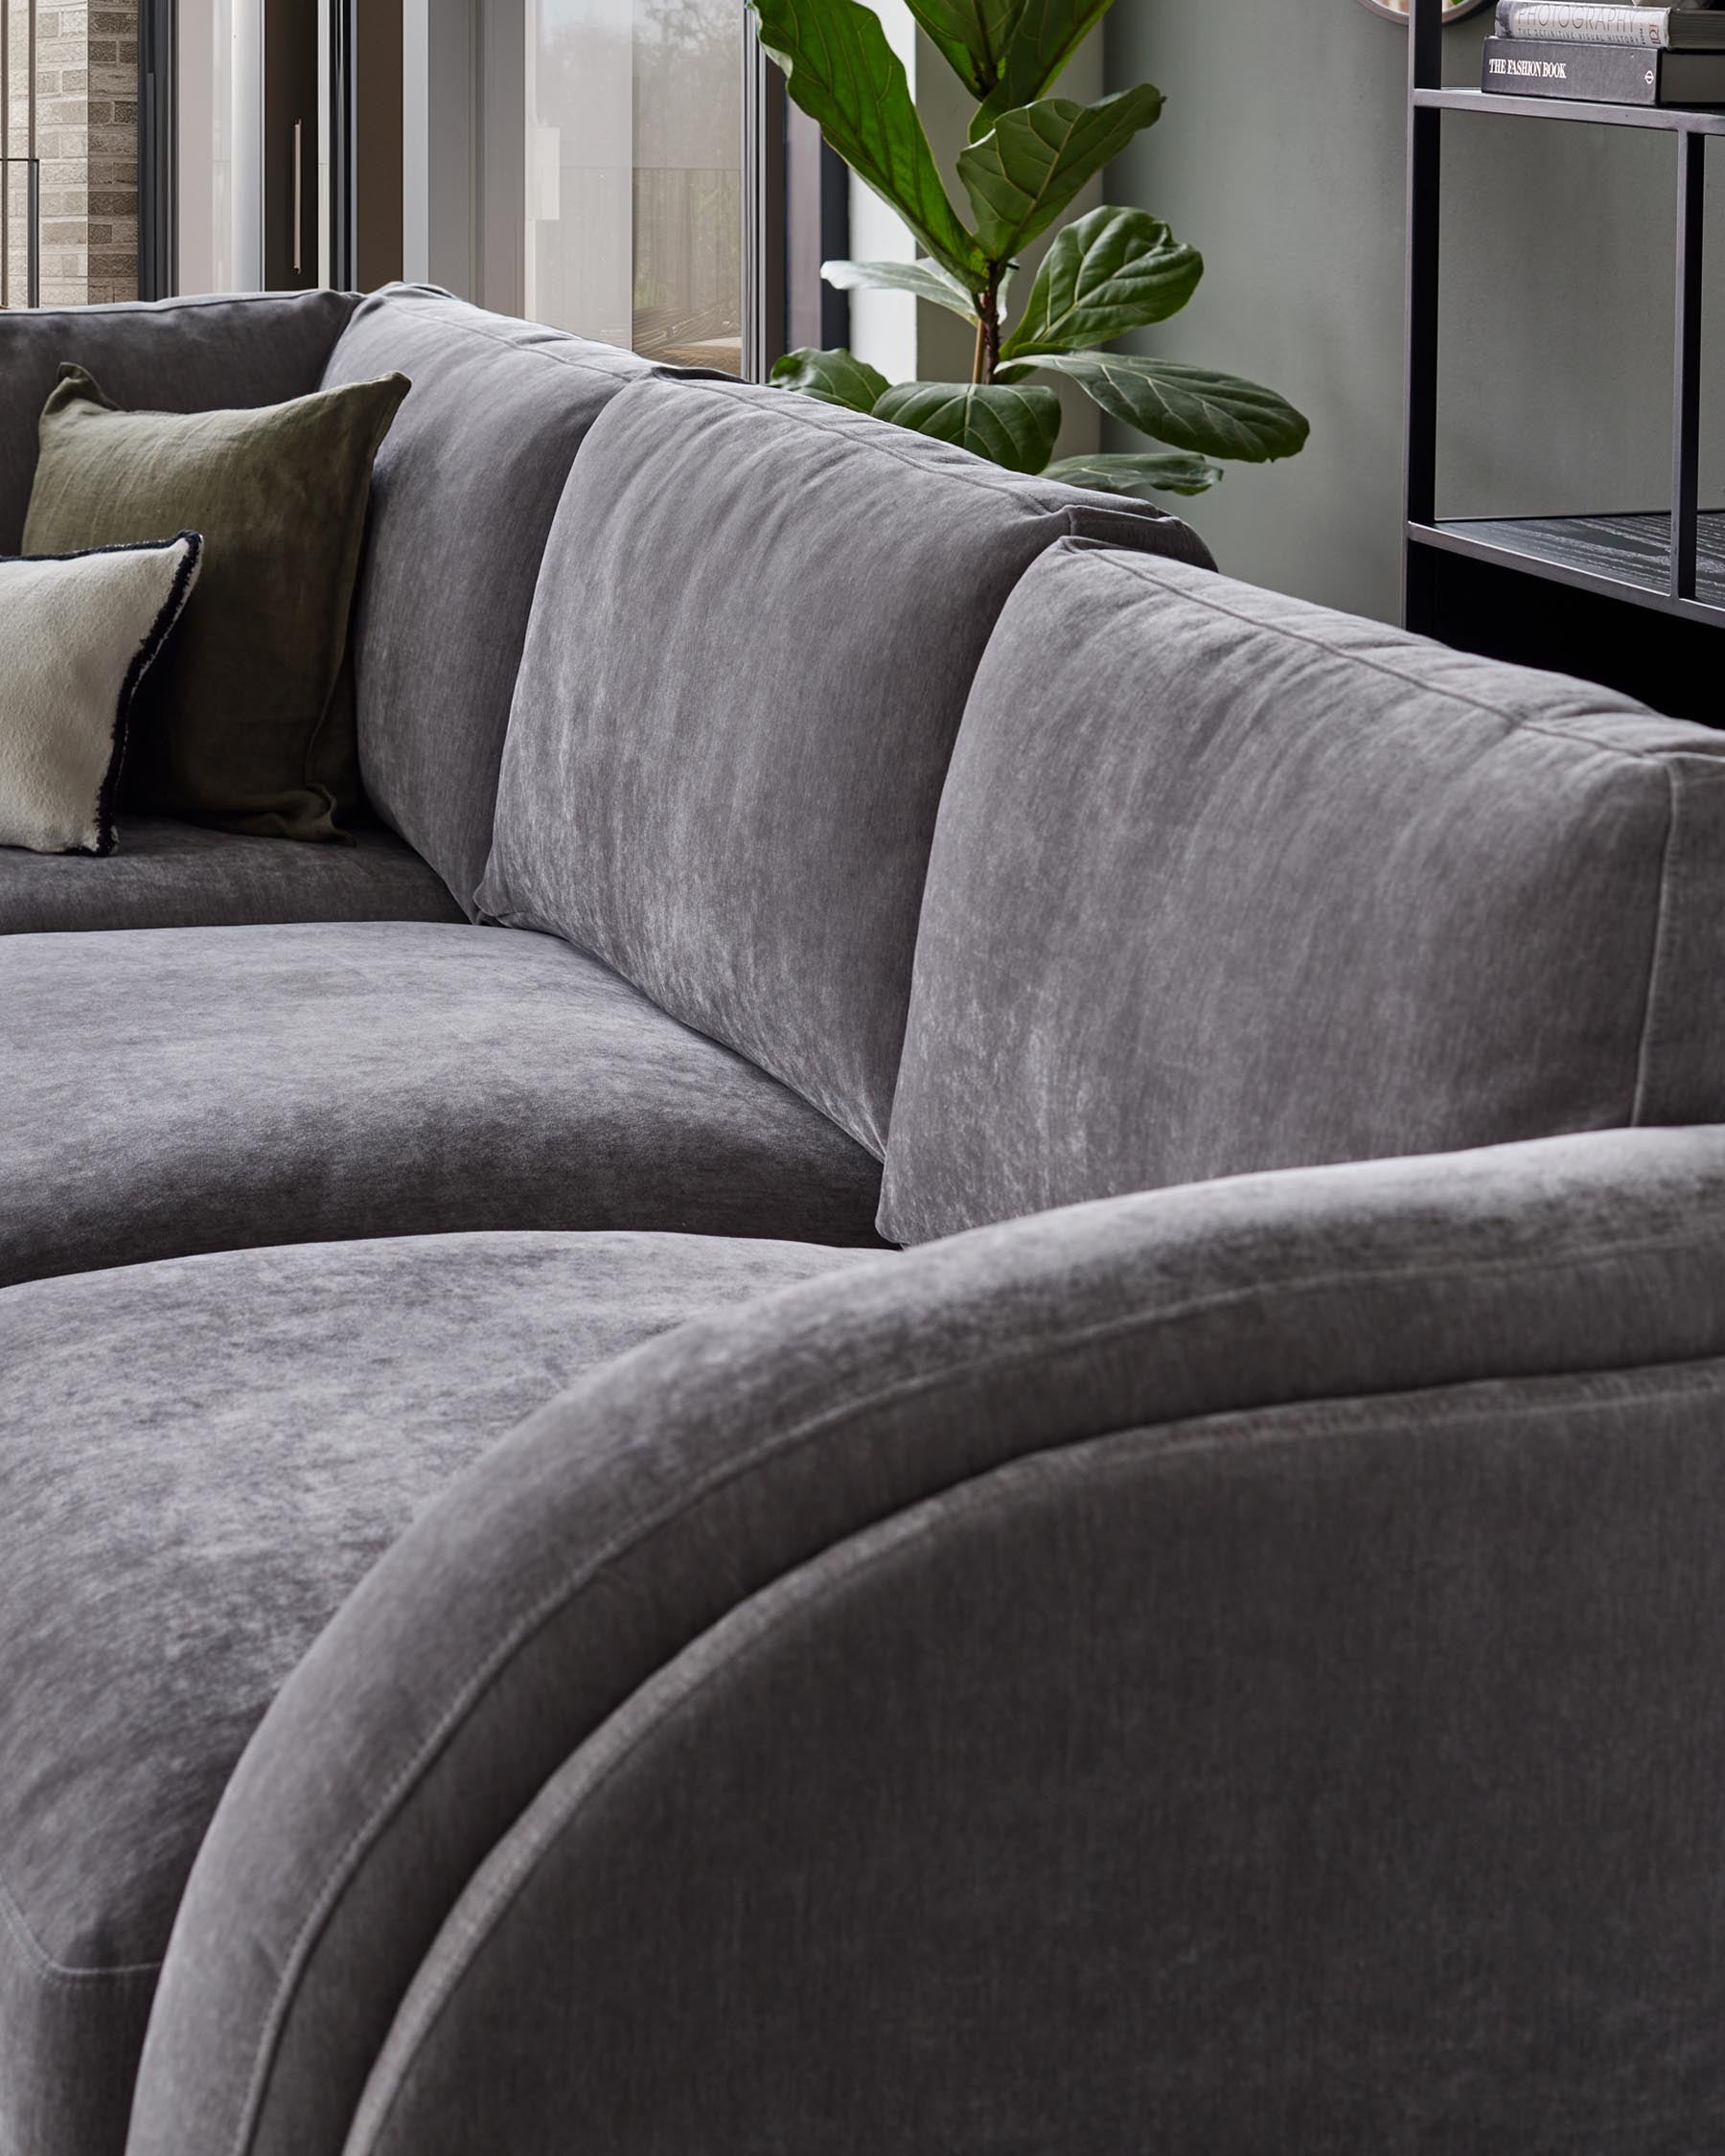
{"x": 43, "y": 1965}
{"x": 538, "y": 351}
{"x": 1140, "y": 567}
{"x": 1004, "y": 487}
{"x": 636, "y": 1533}
{"x": 1655, "y": 963}
{"x": 1147, "y": 517}
{"x": 107, "y": 311}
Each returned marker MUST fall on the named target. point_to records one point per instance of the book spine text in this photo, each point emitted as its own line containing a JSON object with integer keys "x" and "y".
{"x": 1565, "y": 20}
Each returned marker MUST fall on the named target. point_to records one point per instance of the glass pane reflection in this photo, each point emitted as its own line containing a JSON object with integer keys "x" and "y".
{"x": 634, "y": 175}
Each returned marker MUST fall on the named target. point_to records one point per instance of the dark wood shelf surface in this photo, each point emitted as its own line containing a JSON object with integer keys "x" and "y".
{"x": 1665, "y": 119}
{"x": 1620, "y": 557}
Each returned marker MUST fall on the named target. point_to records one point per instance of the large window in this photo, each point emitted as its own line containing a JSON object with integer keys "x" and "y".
{"x": 579, "y": 162}
{"x": 633, "y": 174}
{"x": 253, "y": 111}
{"x": 220, "y": 146}
{"x": 68, "y": 154}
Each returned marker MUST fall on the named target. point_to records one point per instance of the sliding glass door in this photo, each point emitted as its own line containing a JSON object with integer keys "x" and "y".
{"x": 221, "y": 142}
{"x": 253, "y": 102}
{"x": 631, "y": 174}
{"x": 578, "y": 161}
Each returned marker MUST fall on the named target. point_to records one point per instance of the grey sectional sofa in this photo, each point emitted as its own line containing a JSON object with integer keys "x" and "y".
{"x": 938, "y": 1371}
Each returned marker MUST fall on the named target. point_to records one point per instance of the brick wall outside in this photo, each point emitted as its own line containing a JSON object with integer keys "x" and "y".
{"x": 87, "y": 139}
{"x": 16, "y": 128}
{"x": 112, "y": 257}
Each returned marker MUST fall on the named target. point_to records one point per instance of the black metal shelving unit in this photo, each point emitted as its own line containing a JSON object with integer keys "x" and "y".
{"x": 1573, "y": 593}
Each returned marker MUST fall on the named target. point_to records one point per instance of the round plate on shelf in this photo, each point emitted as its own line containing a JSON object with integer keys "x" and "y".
{"x": 1397, "y": 10}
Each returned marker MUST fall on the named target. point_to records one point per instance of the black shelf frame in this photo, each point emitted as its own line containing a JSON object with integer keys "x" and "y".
{"x": 1430, "y": 542}
{"x": 1512, "y": 542}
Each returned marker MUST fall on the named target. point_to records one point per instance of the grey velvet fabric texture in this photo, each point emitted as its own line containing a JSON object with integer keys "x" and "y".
{"x": 220, "y": 1088}
{"x": 1223, "y": 881}
{"x": 199, "y": 1460}
{"x": 463, "y": 494}
{"x": 165, "y": 356}
{"x": 756, "y": 626}
{"x": 1210, "y": 1789}
{"x": 522, "y": 1614}
{"x": 168, "y": 875}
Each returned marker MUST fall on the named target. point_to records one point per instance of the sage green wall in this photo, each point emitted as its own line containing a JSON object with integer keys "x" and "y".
{"x": 1281, "y": 155}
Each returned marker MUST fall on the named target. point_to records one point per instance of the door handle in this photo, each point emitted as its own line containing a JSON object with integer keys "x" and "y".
{"x": 298, "y": 184}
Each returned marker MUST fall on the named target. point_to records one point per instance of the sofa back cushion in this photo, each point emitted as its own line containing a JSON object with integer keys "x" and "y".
{"x": 755, "y": 630}
{"x": 1224, "y": 882}
{"x": 461, "y": 498}
{"x": 163, "y": 355}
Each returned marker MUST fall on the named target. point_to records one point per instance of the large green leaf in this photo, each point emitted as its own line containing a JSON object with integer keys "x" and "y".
{"x": 1191, "y": 408}
{"x": 1043, "y": 36}
{"x": 926, "y": 279}
{"x": 840, "y": 70}
{"x": 1025, "y": 172}
{"x": 1008, "y": 425}
{"x": 834, "y": 378}
{"x": 972, "y": 34}
{"x": 1112, "y": 271}
{"x": 1007, "y": 52}
{"x": 1141, "y": 472}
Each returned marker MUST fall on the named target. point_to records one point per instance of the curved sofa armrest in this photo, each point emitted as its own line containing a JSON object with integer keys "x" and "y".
{"x": 732, "y": 1482}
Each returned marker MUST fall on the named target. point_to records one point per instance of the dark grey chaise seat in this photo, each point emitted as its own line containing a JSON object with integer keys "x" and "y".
{"x": 1222, "y": 1666}
{"x": 172, "y": 874}
{"x": 1244, "y": 1652}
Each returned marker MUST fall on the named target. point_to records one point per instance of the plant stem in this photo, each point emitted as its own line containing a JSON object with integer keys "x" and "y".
{"x": 988, "y": 331}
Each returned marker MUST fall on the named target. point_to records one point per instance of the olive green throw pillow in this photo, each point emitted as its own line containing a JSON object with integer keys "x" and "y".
{"x": 245, "y": 722}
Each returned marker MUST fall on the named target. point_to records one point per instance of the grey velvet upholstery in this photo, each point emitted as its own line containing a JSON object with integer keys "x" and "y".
{"x": 1223, "y": 880}
{"x": 756, "y": 625}
{"x": 1019, "y": 1825}
{"x": 168, "y": 875}
{"x": 1234, "y": 1655}
{"x": 167, "y": 356}
{"x": 216, "y": 1089}
{"x": 1215, "y": 1670}
{"x": 463, "y": 494}
{"x": 199, "y": 1460}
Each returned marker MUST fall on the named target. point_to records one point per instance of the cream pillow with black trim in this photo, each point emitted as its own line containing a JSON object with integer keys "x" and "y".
{"x": 77, "y": 633}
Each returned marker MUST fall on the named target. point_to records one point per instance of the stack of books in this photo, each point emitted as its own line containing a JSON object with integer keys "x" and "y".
{"x": 1607, "y": 54}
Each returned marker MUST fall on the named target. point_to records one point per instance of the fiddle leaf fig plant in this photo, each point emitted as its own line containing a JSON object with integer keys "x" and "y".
{"x": 1004, "y": 424}
{"x": 1028, "y": 156}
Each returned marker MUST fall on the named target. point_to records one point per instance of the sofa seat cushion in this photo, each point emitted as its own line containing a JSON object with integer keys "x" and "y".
{"x": 168, "y": 875}
{"x": 198, "y": 1461}
{"x": 219, "y": 1089}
